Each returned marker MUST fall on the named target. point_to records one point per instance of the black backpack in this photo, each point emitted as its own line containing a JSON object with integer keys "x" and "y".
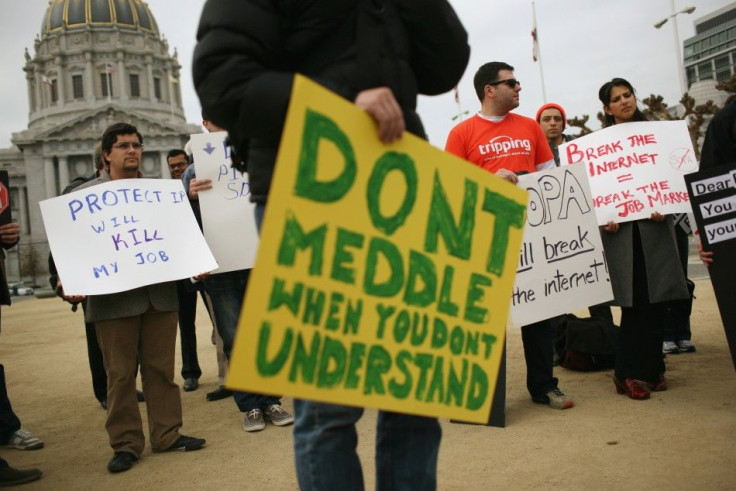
{"x": 587, "y": 344}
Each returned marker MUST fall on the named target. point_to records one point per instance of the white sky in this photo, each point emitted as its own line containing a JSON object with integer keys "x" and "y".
{"x": 584, "y": 43}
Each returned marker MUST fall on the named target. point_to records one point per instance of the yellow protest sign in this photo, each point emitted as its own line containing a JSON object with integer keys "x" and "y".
{"x": 384, "y": 273}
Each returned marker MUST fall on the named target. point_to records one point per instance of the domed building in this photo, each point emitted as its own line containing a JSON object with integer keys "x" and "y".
{"x": 96, "y": 62}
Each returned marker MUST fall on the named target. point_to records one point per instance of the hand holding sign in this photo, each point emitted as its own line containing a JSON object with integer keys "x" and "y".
{"x": 9, "y": 233}
{"x": 122, "y": 234}
{"x": 384, "y": 274}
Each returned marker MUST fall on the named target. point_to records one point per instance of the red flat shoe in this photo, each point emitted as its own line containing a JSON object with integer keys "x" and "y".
{"x": 659, "y": 386}
{"x": 631, "y": 388}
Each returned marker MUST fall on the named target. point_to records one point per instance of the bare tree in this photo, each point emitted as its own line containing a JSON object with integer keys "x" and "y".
{"x": 31, "y": 263}
{"x": 728, "y": 85}
{"x": 656, "y": 109}
{"x": 581, "y": 124}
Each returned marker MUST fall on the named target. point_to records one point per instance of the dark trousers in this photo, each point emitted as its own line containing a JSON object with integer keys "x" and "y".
{"x": 187, "y": 329}
{"x": 677, "y": 327}
{"x": 639, "y": 353}
{"x": 9, "y": 422}
{"x": 539, "y": 341}
{"x": 226, "y": 291}
{"x": 96, "y": 366}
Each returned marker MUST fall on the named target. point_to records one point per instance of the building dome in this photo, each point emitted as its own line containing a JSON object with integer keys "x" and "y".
{"x": 80, "y": 14}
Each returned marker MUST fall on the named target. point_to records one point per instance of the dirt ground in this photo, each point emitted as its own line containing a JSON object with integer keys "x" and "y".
{"x": 684, "y": 438}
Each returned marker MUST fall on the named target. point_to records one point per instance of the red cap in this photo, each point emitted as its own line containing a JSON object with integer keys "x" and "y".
{"x": 552, "y": 105}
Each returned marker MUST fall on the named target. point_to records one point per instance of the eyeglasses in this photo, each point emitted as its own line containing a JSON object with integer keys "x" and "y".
{"x": 511, "y": 82}
{"x": 180, "y": 165}
{"x": 128, "y": 145}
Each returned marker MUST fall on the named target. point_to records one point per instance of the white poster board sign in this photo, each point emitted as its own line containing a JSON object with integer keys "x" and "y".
{"x": 635, "y": 169}
{"x": 561, "y": 265}
{"x": 228, "y": 219}
{"x": 124, "y": 234}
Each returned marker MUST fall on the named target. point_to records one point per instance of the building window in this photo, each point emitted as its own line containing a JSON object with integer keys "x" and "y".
{"x": 157, "y": 88}
{"x": 106, "y": 81}
{"x": 135, "y": 85}
{"x": 724, "y": 74}
{"x": 78, "y": 86}
{"x": 691, "y": 76}
{"x": 705, "y": 71}
{"x": 723, "y": 67}
{"x": 54, "y": 90}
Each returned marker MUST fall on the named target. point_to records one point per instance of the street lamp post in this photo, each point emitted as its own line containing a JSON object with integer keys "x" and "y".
{"x": 680, "y": 65}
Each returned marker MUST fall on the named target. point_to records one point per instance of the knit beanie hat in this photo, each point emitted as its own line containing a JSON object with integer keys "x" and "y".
{"x": 552, "y": 105}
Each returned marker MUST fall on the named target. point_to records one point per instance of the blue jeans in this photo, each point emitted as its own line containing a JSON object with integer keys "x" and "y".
{"x": 226, "y": 292}
{"x": 9, "y": 422}
{"x": 325, "y": 441}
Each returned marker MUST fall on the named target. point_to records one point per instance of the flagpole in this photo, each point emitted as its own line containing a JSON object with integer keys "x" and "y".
{"x": 460, "y": 113}
{"x": 538, "y": 52}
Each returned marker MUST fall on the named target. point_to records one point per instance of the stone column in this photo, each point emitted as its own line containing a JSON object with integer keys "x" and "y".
{"x": 149, "y": 74}
{"x": 49, "y": 177}
{"x": 32, "y": 99}
{"x": 61, "y": 80}
{"x": 38, "y": 88}
{"x": 164, "y": 166}
{"x": 23, "y": 219}
{"x": 121, "y": 78}
{"x": 63, "y": 173}
{"x": 89, "y": 80}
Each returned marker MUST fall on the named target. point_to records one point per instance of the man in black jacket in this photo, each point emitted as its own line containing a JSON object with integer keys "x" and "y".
{"x": 379, "y": 54}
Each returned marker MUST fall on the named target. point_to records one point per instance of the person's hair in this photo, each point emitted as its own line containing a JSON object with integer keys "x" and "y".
{"x": 488, "y": 73}
{"x": 110, "y": 136}
{"x": 175, "y": 152}
{"x": 604, "y": 94}
{"x": 99, "y": 163}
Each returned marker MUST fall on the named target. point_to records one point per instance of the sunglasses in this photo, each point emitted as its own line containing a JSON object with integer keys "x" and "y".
{"x": 511, "y": 82}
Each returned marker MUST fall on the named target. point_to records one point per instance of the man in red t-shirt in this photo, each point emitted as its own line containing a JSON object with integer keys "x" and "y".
{"x": 508, "y": 144}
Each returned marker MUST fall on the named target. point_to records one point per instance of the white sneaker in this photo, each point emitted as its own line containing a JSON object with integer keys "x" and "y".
{"x": 670, "y": 348}
{"x": 24, "y": 440}
{"x": 685, "y": 346}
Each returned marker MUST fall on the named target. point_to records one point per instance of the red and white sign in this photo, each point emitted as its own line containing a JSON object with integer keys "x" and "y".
{"x": 4, "y": 197}
{"x": 635, "y": 169}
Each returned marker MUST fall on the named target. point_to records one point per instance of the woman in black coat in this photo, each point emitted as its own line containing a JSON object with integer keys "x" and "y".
{"x": 645, "y": 273}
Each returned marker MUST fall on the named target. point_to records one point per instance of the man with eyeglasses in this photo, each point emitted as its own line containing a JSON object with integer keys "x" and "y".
{"x": 508, "y": 144}
{"x": 186, "y": 291}
{"x": 178, "y": 161}
{"x": 137, "y": 325}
